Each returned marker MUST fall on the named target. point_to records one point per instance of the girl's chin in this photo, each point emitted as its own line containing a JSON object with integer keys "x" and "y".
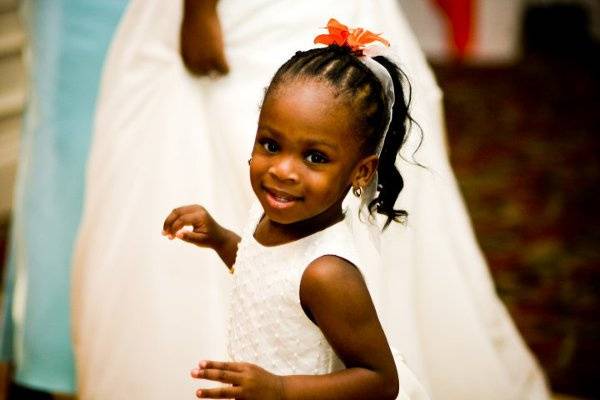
{"x": 280, "y": 215}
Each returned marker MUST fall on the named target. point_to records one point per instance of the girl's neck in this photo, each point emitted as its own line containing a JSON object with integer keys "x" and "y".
{"x": 271, "y": 233}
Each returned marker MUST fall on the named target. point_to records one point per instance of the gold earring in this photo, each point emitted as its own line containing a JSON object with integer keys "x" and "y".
{"x": 357, "y": 191}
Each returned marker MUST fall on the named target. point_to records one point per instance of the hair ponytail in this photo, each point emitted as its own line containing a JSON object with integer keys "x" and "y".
{"x": 390, "y": 182}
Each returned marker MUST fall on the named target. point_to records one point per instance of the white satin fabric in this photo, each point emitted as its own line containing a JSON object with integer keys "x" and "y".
{"x": 146, "y": 309}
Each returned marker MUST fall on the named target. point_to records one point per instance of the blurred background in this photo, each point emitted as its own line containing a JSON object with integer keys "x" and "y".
{"x": 521, "y": 84}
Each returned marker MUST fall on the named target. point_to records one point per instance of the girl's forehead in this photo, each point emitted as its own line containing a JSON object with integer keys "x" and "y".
{"x": 307, "y": 96}
{"x": 318, "y": 86}
{"x": 311, "y": 107}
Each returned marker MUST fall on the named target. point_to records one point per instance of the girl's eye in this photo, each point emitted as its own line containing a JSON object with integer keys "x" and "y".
{"x": 270, "y": 145}
{"x": 314, "y": 157}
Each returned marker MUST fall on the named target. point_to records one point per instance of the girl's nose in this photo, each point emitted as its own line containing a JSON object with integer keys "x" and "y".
{"x": 284, "y": 169}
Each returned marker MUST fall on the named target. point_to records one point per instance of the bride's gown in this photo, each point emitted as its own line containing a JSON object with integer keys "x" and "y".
{"x": 146, "y": 309}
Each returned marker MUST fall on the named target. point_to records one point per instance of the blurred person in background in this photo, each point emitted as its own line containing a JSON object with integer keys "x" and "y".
{"x": 145, "y": 311}
{"x": 67, "y": 42}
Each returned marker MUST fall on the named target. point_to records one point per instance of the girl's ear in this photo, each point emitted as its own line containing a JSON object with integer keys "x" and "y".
{"x": 364, "y": 171}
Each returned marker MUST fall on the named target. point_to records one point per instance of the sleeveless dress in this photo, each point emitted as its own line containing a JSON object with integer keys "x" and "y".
{"x": 164, "y": 138}
{"x": 267, "y": 324}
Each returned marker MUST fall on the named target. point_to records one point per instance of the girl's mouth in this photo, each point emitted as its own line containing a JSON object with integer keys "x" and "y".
{"x": 280, "y": 199}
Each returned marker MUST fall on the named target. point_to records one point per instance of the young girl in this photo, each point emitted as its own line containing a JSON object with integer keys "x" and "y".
{"x": 303, "y": 325}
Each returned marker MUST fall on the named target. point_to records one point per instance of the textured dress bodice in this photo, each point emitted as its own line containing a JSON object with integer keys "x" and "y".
{"x": 268, "y": 326}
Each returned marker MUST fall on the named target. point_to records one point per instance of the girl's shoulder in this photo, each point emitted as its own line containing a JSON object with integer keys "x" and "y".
{"x": 332, "y": 255}
{"x": 328, "y": 277}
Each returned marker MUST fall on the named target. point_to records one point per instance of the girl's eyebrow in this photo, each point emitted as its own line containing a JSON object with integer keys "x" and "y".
{"x": 275, "y": 132}
{"x": 308, "y": 143}
{"x": 312, "y": 143}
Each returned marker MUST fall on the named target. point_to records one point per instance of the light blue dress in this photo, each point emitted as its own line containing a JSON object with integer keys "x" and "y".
{"x": 68, "y": 40}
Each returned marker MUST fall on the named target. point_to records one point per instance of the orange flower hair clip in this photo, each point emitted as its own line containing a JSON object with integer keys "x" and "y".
{"x": 356, "y": 39}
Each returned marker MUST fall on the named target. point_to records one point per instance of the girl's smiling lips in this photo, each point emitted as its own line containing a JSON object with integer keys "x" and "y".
{"x": 280, "y": 199}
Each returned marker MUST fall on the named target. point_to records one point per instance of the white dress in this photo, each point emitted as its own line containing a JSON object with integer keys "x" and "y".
{"x": 146, "y": 310}
{"x": 268, "y": 326}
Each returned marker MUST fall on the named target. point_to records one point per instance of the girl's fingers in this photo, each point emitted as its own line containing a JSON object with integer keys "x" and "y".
{"x": 168, "y": 221}
{"x": 183, "y": 220}
{"x": 172, "y": 217}
{"x": 224, "y": 365}
{"x": 176, "y": 213}
{"x": 192, "y": 237}
{"x": 225, "y": 392}
{"x": 218, "y": 375}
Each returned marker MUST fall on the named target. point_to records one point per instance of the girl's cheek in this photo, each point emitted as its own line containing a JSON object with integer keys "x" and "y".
{"x": 319, "y": 185}
{"x": 258, "y": 169}
{"x": 259, "y": 165}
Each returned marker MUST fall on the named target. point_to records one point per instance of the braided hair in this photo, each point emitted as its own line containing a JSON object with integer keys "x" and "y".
{"x": 342, "y": 69}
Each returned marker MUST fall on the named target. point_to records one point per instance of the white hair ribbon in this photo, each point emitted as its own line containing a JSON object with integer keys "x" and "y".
{"x": 382, "y": 74}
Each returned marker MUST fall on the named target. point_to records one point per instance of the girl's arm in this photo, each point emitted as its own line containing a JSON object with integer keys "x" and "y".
{"x": 334, "y": 295}
{"x": 206, "y": 231}
{"x": 201, "y": 38}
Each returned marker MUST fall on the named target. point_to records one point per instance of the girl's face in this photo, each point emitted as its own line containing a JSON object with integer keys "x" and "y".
{"x": 305, "y": 155}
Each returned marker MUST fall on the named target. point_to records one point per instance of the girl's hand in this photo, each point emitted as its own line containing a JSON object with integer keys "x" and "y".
{"x": 206, "y": 232}
{"x": 248, "y": 381}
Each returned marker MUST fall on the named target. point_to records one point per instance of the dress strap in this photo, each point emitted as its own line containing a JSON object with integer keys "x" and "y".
{"x": 336, "y": 240}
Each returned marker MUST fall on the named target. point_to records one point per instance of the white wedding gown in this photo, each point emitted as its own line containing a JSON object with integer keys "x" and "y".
{"x": 146, "y": 309}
